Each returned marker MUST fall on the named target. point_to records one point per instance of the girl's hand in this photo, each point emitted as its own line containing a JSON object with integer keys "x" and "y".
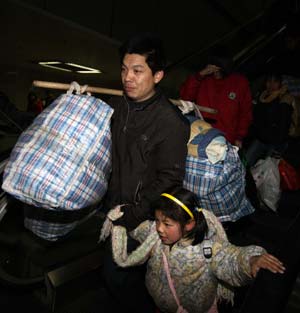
{"x": 266, "y": 261}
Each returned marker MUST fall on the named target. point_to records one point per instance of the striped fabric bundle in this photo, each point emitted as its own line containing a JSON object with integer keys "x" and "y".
{"x": 219, "y": 187}
{"x": 63, "y": 160}
{"x": 293, "y": 84}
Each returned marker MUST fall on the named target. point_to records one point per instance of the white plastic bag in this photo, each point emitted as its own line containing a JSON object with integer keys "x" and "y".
{"x": 267, "y": 179}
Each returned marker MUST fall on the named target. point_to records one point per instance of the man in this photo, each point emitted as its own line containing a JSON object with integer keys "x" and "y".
{"x": 149, "y": 136}
{"x": 217, "y": 87}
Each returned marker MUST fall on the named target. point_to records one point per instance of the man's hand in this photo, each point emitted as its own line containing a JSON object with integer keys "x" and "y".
{"x": 266, "y": 261}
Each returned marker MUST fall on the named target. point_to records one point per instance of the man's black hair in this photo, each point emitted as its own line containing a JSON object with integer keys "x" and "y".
{"x": 148, "y": 45}
{"x": 221, "y": 57}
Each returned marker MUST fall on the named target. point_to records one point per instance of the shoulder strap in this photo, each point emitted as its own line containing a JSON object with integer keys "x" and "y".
{"x": 171, "y": 285}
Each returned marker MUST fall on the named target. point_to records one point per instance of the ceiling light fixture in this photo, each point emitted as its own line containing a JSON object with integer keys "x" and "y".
{"x": 70, "y": 67}
{"x": 54, "y": 65}
{"x": 85, "y": 69}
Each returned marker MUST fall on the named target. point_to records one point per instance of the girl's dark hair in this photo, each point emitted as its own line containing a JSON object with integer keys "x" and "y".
{"x": 172, "y": 210}
{"x": 148, "y": 45}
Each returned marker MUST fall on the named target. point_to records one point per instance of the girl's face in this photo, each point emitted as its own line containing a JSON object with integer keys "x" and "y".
{"x": 168, "y": 230}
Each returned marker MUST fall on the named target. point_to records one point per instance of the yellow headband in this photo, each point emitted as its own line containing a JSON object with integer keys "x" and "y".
{"x": 186, "y": 209}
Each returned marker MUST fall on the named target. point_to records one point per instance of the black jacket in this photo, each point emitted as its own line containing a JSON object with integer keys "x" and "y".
{"x": 149, "y": 148}
{"x": 272, "y": 121}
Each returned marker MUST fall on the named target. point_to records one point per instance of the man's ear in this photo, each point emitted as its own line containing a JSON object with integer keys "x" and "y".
{"x": 158, "y": 76}
{"x": 189, "y": 225}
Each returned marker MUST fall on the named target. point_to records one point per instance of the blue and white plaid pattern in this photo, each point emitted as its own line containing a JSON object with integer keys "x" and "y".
{"x": 49, "y": 231}
{"x": 63, "y": 160}
{"x": 293, "y": 84}
{"x": 219, "y": 187}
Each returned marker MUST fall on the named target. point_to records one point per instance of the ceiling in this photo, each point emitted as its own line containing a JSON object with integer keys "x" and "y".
{"x": 90, "y": 33}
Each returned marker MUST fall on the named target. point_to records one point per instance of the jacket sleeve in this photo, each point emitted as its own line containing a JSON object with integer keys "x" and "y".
{"x": 169, "y": 157}
{"x": 141, "y": 232}
{"x": 189, "y": 89}
{"x": 245, "y": 110}
{"x": 231, "y": 263}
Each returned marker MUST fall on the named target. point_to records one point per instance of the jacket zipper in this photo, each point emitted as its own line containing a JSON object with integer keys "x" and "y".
{"x": 127, "y": 116}
{"x": 137, "y": 191}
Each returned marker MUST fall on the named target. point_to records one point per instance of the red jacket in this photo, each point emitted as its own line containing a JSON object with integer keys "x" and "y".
{"x": 231, "y": 96}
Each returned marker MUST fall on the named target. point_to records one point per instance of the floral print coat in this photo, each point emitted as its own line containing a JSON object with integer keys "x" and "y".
{"x": 198, "y": 280}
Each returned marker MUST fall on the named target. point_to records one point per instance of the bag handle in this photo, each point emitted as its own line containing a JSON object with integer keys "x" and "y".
{"x": 78, "y": 89}
{"x": 188, "y": 106}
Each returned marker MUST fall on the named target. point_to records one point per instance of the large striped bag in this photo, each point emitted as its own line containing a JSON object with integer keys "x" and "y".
{"x": 63, "y": 160}
{"x": 219, "y": 187}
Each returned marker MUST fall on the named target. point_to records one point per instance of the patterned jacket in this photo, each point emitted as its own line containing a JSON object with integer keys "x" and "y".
{"x": 198, "y": 281}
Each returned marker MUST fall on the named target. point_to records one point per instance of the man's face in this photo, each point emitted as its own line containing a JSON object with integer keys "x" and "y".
{"x": 137, "y": 78}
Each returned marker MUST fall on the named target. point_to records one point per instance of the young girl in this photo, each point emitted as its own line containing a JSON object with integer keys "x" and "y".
{"x": 190, "y": 260}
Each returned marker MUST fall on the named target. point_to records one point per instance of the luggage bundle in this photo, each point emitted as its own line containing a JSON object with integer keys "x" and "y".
{"x": 62, "y": 161}
{"x": 215, "y": 173}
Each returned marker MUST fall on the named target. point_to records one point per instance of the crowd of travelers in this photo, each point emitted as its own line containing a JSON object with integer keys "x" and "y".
{"x": 165, "y": 250}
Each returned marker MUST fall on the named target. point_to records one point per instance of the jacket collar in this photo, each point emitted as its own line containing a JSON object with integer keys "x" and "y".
{"x": 139, "y": 106}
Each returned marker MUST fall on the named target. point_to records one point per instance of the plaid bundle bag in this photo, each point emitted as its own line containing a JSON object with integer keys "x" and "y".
{"x": 63, "y": 160}
{"x": 219, "y": 187}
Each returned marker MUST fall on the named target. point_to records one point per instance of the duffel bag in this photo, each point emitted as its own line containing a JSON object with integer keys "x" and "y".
{"x": 219, "y": 187}
{"x": 63, "y": 159}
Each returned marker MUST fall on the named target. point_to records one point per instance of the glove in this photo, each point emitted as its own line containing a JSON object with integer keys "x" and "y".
{"x": 112, "y": 215}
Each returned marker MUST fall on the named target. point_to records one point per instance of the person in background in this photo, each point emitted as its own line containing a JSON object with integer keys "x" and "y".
{"x": 149, "y": 138}
{"x": 217, "y": 86}
{"x": 272, "y": 120}
{"x": 49, "y": 98}
{"x": 191, "y": 263}
{"x": 35, "y": 104}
